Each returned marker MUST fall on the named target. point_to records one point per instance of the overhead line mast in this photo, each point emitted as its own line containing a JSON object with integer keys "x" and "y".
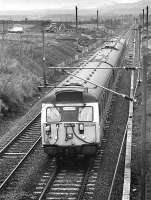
{"x": 76, "y": 8}
{"x": 43, "y": 55}
{"x": 147, "y": 25}
{"x": 144, "y": 99}
{"x": 97, "y": 19}
{"x": 143, "y": 19}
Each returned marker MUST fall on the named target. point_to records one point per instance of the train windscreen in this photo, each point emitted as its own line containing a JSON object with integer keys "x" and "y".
{"x": 53, "y": 115}
{"x": 69, "y": 114}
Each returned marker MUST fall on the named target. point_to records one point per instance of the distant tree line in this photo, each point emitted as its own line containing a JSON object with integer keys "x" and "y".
{"x": 92, "y": 20}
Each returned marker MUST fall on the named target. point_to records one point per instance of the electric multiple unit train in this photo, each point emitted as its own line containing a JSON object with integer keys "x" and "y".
{"x": 72, "y": 115}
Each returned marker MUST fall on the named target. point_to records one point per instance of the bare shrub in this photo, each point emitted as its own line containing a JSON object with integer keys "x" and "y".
{"x": 16, "y": 84}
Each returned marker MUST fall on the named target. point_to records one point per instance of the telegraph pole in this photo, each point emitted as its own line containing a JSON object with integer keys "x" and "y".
{"x": 3, "y": 38}
{"x": 143, "y": 131}
{"x": 3, "y": 30}
{"x": 139, "y": 53}
{"x": 43, "y": 55}
{"x": 76, "y": 8}
{"x": 147, "y": 25}
{"x": 97, "y": 19}
{"x": 144, "y": 98}
{"x": 20, "y": 47}
{"x": 143, "y": 19}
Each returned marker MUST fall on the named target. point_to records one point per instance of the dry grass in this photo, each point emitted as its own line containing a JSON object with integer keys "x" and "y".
{"x": 16, "y": 84}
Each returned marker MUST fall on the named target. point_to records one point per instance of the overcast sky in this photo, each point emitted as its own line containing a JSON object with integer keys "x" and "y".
{"x": 56, "y": 4}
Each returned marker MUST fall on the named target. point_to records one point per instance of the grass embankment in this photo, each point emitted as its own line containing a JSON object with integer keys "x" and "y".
{"x": 137, "y": 138}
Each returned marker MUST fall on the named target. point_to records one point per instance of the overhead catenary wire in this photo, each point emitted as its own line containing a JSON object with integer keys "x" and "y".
{"x": 117, "y": 93}
{"x": 126, "y": 68}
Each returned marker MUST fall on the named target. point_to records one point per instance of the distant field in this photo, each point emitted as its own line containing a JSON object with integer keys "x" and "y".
{"x": 91, "y": 26}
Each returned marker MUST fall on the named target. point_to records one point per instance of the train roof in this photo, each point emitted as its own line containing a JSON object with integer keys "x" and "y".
{"x": 70, "y": 93}
{"x": 83, "y": 79}
{"x": 69, "y": 96}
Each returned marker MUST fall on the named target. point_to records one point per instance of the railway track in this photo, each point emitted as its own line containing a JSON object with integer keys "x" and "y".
{"x": 73, "y": 180}
{"x": 77, "y": 183}
{"x": 13, "y": 155}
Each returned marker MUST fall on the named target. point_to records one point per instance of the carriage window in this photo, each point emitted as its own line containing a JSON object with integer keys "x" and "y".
{"x": 53, "y": 115}
{"x": 85, "y": 114}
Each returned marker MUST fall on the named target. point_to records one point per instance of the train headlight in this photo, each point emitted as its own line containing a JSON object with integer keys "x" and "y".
{"x": 69, "y": 127}
{"x": 69, "y": 136}
{"x": 81, "y": 128}
{"x": 48, "y": 129}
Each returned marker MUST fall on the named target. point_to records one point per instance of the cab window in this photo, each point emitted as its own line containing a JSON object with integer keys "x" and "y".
{"x": 85, "y": 114}
{"x": 53, "y": 115}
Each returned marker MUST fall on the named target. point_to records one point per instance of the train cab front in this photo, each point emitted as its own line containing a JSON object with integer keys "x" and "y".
{"x": 70, "y": 128}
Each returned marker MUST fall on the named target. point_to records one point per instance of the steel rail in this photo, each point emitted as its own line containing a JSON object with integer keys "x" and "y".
{"x": 85, "y": 180}
{"x": 49, "y": 183}
{"x": 19, "y": 164}
{"x": 19, "y": 134}
{"x": 117, "y": 164}
{"x": 81, "y": 189}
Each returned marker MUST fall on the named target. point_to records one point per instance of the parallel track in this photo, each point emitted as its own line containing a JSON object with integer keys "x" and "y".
{"x": 17, "y": 150}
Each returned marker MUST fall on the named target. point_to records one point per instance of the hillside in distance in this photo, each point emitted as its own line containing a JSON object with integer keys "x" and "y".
{"x": 54, "y": 14}
{"x": 110, "y": 10}
{"x": 131, "y": 8}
